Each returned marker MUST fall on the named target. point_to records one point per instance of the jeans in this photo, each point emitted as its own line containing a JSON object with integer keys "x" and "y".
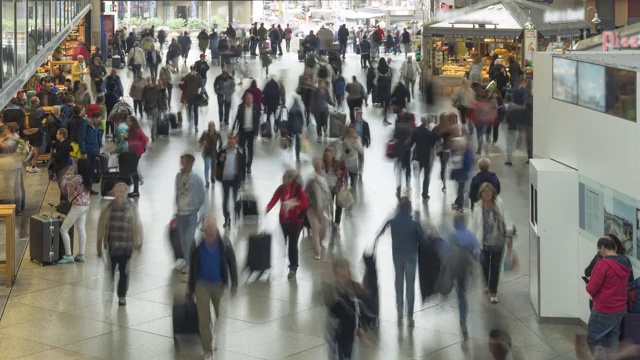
{"x": 399, "y": 168}
{"x": 77, "y": 215}
{"x": 209, "y": 168}
{"x": 410, "y": 84}
{"x": 137, "y": 107}
{"x": 136, "y": 68}
{"x": 426, "y": 168}
{"x": 152, "y": 116}
{"x": 405, "y": 272}
{"x": 247, "y": 138}
{"x": 192, "y": 113}
{"x": 491, "y": 263}
{"x": 291, "y": 233}
{"x": 463, "y": 306}
{"x": 603, "y": 333}
{"x": 121, "y": 262}
{"x": 226, "y": 186}
{"x": 153, "y": 71}
{"x": 364, "y": 59}
{"x": 481, "y": 130}
{"x": 512, "y": 136}
{"x": 341, "y": 349}
{"x": 406, "y": 48}
{"x": 187, "y": 225}
{"x": 343, "y": 48}
{"x": 296, "y": 138}
{"x": 321, "y": 122}
{"x": 206, "y": 295}
{"x": 224, "y": 105}
{"x": 352, "y": 104}
{"x": 169, "y": 89}
{"x": 460, "y": 197}
{"x": 110, "y": 129}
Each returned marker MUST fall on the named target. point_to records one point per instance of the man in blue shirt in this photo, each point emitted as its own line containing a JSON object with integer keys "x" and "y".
{"x": 89, "y": 141}
{"x": 212, "y": 263}
{"x": 406, "y": 236}
{"x": 468, "y": 250}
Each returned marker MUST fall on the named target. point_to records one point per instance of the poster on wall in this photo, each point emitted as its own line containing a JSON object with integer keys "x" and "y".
{"x": 606, "y": 211}
{"x": 591, "y": 93}
{"x": 530, "y": 45}
{"x": 565, "y": 80}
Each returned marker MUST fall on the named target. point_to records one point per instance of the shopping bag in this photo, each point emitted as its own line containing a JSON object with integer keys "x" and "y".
{"x": 511, "y": 261}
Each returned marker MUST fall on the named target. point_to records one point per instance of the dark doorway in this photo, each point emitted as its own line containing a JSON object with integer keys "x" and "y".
{"x": 181, "y": 12}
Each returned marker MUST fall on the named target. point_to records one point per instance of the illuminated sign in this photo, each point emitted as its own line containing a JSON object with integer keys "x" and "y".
{"x": 567, "y": 15}
{"x": 613, "y": 40}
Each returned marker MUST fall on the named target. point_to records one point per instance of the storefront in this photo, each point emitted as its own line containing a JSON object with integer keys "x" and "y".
{"x": 506, "y": 28}
{"x": 31, "y": 32}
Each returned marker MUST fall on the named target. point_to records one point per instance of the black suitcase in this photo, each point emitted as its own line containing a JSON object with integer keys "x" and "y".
{"x": 259, "y": 255}
{"x": 174, "y": 239}
{"x": 101, "y": 167}
{"x": 246, "y": 208}
{"x": 44, "y": 239}
{"x": 110, "y": 180}
{"x": 173, "y": 120}
{"x": 185, "y": 320}
{"x": 163, "y": 125}
{"x": 116, "y": 63}
{"x": 265, "y": 130}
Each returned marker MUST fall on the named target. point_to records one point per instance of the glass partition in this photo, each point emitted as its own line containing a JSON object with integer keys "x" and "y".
{"x": 8, "y": 40}
{"x": 21, "y": 32}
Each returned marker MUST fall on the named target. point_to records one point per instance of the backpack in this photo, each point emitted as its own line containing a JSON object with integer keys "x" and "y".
{"x": 165, "y": 75}
{"x": 376, "y": 36}
{"x": 484, "y": 112}
{"x": 310, "y": 61}
{"x": 65, "y": 114}
{"x": 633, "y": 302}
{"x": 323, "y": 73}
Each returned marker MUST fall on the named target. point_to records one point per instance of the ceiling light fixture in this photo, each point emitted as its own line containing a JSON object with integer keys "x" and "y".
{"x": 595, "y": 19}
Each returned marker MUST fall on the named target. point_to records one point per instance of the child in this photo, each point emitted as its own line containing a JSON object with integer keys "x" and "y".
{"x": 348, "y": 306}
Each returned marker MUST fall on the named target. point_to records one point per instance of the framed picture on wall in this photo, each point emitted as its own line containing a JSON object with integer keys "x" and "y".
{"x": 621, "y": 93}
{"x": 565, "y": 80}
{"x": 591, "y": 93}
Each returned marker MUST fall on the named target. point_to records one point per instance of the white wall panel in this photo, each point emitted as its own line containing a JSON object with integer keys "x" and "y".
{"x": 542, "y": 95}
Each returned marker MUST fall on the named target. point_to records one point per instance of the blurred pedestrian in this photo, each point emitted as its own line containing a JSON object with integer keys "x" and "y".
{"x": 78, "y": 188}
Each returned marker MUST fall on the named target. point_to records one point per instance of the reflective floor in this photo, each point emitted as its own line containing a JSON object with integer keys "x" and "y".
{"x": 71, "y": 312}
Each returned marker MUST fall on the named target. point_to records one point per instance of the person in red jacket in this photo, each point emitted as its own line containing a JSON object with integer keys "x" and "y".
{"x": 608, "y": 289}
{"x": 294, "y": 203}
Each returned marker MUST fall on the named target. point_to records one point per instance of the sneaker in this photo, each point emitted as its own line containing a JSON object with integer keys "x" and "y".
{"x": 425, "y": 197}
{"x": 337, "y": 226}
{"x": 134, "y": 194}
{"x": 227, "y": 224}
{"x": 508, "y": 163}
{"x": 196, "y": 129}
{"x": 208, "y": 356}
{"x": 66, "y": 260}
{"x": 444, "y": 189}
{"x": 35, "y": 169}
{"x": 122, "y": 301}
{"x": 79, "y": 258}
{"x": 494, "y": 299}
{"x": 318, "y": 256}
{"x": 248, "y": 170}
{"x": 465, "y": 332}
{"x": 385, "y": 122}
{"x": 291, "y": 275}
{"x": 412, "y": 323}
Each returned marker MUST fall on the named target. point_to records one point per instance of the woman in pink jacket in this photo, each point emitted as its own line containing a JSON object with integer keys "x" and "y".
{"x": 137, "y": 146}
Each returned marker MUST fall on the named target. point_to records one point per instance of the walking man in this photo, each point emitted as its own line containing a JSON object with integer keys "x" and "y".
{"x": 246, "y": 125}
{"x": 230, "y": 170}
{"x": 224, "y": 86}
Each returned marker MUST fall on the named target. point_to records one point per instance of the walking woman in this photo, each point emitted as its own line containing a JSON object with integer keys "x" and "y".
{"x": 336, "y": 172}
{"x": 210, "y": 142}
{"x": 78, "y": 186}
{"x": 137, "y": 146}
{"x": 320, "y": 205}
{"x": 489, "y": 226}
{"x": 136, "y": 91}
{"x": 383, "y": 87}
{"x": 293, "y": 204}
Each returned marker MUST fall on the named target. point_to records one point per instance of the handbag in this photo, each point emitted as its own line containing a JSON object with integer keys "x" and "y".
{"x": 345, "y": 199}
{"x": 65, "y": 205}
{"x": 75, "y": 150}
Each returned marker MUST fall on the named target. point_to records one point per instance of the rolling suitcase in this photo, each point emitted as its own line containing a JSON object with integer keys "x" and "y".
{"x": 44, "y": 239}
{"x": 265, "y": 130}
{"x": 300, "y": 55}
{"x": 174, "y": 239}
{"x": 173, "y": 120}
{"x": 337, "y": 124}
{"x": 185, "y": 320}
{"x": 259, "y": 255}
{"x": 630, "y": 326}
{"x": 101, "y": 167}
{"x": 115, "y": 62}
{"x": 163, "y": 125}
{"x": 247, "y": 207}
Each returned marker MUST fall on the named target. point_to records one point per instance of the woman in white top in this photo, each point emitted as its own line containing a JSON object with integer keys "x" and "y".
{"x": 489, "y": 225}
{"x": 320, "y": 205}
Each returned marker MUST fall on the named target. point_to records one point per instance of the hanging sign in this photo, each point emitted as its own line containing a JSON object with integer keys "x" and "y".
{"x": 613, "y": 40}
{"x": 530, "y": 45}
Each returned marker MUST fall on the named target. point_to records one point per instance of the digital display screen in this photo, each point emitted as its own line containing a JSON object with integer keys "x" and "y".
{"x": 565, "y": 80}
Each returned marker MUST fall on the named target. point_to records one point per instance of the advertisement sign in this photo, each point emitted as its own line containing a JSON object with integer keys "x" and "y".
{"x": 613, "y": 40}
{"x": 606, "y": 211}
{"x": 530, "y": 45}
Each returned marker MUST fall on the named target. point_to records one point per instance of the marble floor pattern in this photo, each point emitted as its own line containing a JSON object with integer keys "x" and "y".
{"x": 71, "y": 312}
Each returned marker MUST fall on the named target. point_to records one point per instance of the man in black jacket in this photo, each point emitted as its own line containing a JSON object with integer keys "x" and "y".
{"x": 154, "y": 59}
{"x": 515, "y": 116}
{"x": 246, "y": 126}
{"x": 271, "y": 99}
{"x": 230, "y": 170}
{"x": 343, "y": 38}
{"x": 212, "y": 264}
{"x": 424, "y": 141}
{"x": 224, "y": 86}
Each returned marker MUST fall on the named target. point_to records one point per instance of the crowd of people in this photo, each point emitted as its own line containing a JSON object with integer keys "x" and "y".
{"x": 75, "y": 117}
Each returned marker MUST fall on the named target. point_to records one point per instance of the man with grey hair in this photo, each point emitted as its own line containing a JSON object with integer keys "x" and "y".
{"x": 212, "y": 265}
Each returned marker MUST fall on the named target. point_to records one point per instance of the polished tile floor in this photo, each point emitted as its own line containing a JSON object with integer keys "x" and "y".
{"x": 71, "y": 312}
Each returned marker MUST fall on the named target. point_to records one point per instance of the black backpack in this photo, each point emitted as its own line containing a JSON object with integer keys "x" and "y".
{"x": 323, "y": 73}
{"x": 376, "y": 37}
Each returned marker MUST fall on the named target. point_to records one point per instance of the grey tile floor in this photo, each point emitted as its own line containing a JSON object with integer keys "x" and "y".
{"x": 70, "y": 311}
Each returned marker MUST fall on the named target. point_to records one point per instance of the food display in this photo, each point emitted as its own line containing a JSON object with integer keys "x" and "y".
{"x": 501, "y": 52}
{"x": 455, "y": 70}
